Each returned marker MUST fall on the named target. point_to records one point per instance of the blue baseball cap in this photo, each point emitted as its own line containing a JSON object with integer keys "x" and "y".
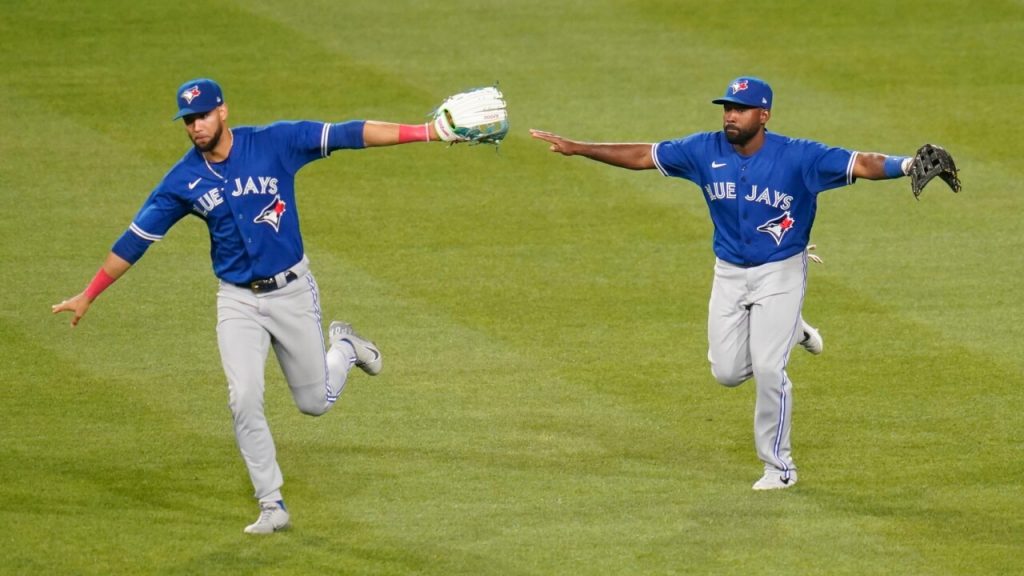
{"x": 748, "y": 91}
{"x": 198, "y": 96}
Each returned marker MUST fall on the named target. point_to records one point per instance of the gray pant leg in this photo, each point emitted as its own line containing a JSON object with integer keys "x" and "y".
{"x": 774, "y": 330}
{"x": 244, "y": 344}
{"x": 729, "y": 326}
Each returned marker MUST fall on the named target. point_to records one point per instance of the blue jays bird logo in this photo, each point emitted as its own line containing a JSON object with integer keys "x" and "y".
{"x": 272, "y": 213}
{"x": 777, "y": 227}
{"x": 190, "y": 94}
{"x": 738, "y": 86}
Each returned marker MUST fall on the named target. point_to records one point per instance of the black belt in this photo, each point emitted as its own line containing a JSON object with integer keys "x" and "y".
{"x": 265, "y": 285}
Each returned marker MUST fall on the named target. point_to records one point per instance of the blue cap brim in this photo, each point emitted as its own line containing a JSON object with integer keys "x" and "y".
{"x": 187, "y": 111}
{"x": 735, "y": 101}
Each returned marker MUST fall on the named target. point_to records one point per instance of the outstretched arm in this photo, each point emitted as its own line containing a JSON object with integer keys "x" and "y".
{"x": 631, "y": 156}
{"x": 113, "y": 268}
{"x": 479, "y": 116}
{"x": 928, "y": 162}
{"x": 875, "y": 166}
{"x": 388, "y": 134}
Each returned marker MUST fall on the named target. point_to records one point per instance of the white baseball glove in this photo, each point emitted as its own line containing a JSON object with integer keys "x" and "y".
{"x": 475, "y": 116}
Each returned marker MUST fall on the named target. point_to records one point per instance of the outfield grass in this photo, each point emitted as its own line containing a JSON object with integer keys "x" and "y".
{"x": 546, "y": 405}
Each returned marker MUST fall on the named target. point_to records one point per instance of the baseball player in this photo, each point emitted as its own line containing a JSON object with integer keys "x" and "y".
{"x": 762, "y": 190}
{"x": 241, "y": 182}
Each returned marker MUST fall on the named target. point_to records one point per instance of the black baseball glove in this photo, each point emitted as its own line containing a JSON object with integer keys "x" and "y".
{"x": 929, "y": 162}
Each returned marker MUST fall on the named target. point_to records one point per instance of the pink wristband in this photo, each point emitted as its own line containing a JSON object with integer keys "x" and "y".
{"x": 99, "y": 283}
{"x": 413, "y": 133}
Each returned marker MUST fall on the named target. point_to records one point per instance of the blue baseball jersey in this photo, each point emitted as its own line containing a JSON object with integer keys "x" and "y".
{"x": 247, "y": 201}
{"x": 762, "y": 205}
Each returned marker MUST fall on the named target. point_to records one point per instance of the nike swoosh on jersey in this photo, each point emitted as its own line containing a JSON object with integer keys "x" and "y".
{"x": 717, "y": 165}
{"x": 194, "y": 183}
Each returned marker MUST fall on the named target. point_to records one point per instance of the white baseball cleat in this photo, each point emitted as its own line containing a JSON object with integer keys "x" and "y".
{"x": 776, "y": 480}
{"x": 812, "y": 341}
{"x": 273, "y": 517}
{"x": 367, "y": 355}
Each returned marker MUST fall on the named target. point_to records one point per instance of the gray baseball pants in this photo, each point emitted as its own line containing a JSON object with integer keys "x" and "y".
{"x": 753, "y": 323}
{"x": 289, "y": 320}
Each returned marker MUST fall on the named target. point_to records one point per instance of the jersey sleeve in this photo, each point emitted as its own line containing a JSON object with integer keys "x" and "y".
{"x": 826, "y": 167}
{"x": 304, "y": 141}
{"x": 160, "y": 211}
{"x": 676, "y": 157}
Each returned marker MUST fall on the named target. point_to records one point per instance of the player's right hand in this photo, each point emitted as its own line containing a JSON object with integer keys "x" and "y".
{"x": 78, "y": 304}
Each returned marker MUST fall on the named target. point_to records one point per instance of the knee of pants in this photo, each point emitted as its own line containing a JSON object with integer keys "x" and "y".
{"x": 311, "y": 409}
{"x": 729, "y": 378}
{"x": 311, "y": 400}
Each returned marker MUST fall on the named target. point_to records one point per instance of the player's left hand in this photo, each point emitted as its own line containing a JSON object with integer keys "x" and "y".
{"x": 78, "y": 304}
{"x": 475, "y": 116}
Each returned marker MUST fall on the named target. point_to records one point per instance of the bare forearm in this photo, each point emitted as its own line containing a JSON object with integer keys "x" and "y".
{"x": 115, "y": 266}
{"x": 631, "y": 156}
{"x": 872, "y": 166}
{"x": 388, "y": 133}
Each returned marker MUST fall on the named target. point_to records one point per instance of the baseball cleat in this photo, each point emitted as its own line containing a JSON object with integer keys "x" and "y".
{"x": 776, "y": 480}
{"x": 273, "y": 517}
{"x": 812, "y": 341}
{"x": 367, "y": 355}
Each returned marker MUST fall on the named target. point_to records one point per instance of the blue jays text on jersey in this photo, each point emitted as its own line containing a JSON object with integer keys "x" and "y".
{"x": 247, "y": 201}
{"x": 762, "y": 205}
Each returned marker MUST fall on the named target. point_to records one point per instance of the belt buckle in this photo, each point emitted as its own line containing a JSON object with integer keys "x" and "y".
{"x": 261, "y": 286}
{"x": 264, "y": 285}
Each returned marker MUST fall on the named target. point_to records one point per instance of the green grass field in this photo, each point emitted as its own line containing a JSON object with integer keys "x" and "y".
{"x": 546, "y": 405}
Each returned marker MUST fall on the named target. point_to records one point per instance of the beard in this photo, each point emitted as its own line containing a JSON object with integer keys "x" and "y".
{"x": 737, "y": 136}
{"x": 212, "y": 142}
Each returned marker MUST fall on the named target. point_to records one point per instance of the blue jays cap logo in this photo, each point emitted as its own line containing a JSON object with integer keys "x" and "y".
{"x": 272, "y": 213}
{"x": 777, "y": 227}
{"x": 190, "y": 94}
{"x": 738, "y": 86}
